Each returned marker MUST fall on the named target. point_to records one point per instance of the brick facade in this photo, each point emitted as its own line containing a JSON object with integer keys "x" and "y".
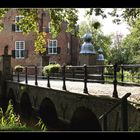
{"x": 68, "y": 44}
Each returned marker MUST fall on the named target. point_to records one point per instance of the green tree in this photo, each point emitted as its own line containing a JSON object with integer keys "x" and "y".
{"x": 117, "y": 51}
{"x": 131, "y": 43}
{"x": 127, "y": 50}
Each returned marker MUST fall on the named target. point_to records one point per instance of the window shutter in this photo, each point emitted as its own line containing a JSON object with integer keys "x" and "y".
{"x": 46, "y": 51}
{"x": 58, "y": 50}
{"x": 25, "y": 53}
{"x": 13, "y": 27}
{"x": 13, "y": 53}
{"x": 17, "y": 18}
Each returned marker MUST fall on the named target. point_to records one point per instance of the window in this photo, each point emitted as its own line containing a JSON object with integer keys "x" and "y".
{"x": 19, "y": 49}
{"x": 17, "y": 18}
{"x": 52, "y": 47}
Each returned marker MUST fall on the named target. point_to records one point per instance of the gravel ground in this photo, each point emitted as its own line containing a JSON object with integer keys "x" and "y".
{"x": 93, "y": 88}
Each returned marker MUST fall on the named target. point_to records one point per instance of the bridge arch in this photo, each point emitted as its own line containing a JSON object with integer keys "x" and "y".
{"x": 25, "y": 105}
{"x": 84, "y": 119}
{"x": 11, "y": 96}
{"x": 47, "y": 112}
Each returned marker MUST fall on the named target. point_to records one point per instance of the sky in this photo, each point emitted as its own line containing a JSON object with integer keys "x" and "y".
{"x": 107, "y": 26}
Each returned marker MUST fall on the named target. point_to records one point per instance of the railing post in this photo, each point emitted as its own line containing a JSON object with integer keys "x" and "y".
{"x": 18, "y": 76}
{"x": 12, "y": 74}
{"x": 36, "y": 76}
{"x": 105, "y": 123}
{"x": 85, "y": 79}
{"x": 122, "y": 75}
{"x": 124, "y": 114}
{"x": 63, "y": 77}
{"x": 115, "y": 93}
{"x": 73, "y": 73}
{"x": 26, "y": 80}
{"x": 48, "y": 81}
{"x": 102, "y": 74}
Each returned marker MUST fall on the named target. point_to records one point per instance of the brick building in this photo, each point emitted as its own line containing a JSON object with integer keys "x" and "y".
{"x": 63, "y": 49}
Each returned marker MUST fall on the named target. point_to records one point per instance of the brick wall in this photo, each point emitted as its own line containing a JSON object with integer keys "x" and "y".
{"x": 8, "y": 37}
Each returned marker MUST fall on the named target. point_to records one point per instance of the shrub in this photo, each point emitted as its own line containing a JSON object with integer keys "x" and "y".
{"x": 10, "y": 121}
{"x": 18, "y": 68}
{"x": 51, "y": 68}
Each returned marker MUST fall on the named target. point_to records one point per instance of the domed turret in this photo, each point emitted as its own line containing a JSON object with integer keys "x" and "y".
{"x": 87, "y": 47}
{"x": 87, "y": 37}
{"x": 100, "y": 50}
{"x": 100, "y": 56}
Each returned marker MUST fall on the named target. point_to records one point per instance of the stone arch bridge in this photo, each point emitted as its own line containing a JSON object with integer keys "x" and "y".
{"x": 80, "y": 110}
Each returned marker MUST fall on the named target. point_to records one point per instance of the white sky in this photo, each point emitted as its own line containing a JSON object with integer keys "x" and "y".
{"x": 107, "y": 26}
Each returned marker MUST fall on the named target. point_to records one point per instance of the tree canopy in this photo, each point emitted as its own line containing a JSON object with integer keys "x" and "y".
{"x": 132, "y": 43}
{"x": 127, "y": 14}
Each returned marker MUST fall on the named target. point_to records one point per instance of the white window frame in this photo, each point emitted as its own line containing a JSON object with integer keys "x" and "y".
{"x": 16, "y": 27}
{"x": 20, "y": 57}
{"x": 51, "y": 47}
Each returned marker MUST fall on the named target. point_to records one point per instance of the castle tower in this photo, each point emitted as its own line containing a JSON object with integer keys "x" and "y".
{"x": 100, "y": 57}
{"x": 100, "y": 60}
{"x": 87, "y": 53}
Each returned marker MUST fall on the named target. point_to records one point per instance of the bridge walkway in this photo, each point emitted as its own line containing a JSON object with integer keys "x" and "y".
{"x": 97, "y": 89}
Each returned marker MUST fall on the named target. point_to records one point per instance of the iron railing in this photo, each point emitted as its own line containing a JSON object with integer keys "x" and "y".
{"x": 81, "y": 73}
{"x": 71, "y": 73}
